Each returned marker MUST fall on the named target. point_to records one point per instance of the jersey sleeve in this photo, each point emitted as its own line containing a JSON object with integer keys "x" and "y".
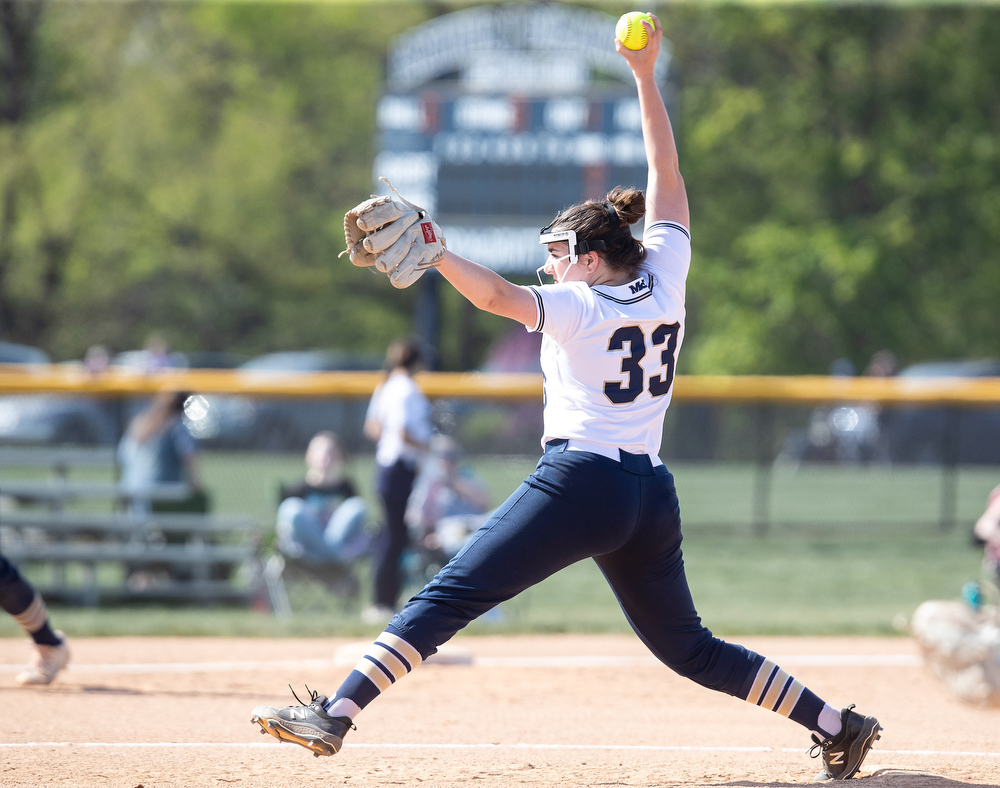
{"x": 668, "y": 252}
{"x": 561, "y": 308}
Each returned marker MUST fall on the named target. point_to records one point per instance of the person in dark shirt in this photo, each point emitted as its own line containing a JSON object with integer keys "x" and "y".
{"x": 322, "y": 519}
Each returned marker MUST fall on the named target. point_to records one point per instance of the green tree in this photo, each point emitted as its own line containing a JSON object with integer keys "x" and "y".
{"x": 845, "y": 178}
{"x": 185, "y": 168}
{"x": 197, "y": 161}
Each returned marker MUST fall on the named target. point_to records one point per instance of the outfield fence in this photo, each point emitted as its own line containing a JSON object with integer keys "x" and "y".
{"x": 790, "y": 445}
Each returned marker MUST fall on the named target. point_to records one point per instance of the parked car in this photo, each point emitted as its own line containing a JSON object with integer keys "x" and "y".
{"x": 138, "y": 360}
{"x": 281, "y": 424}
{"x": 50, "y": 418}
{"x": 847, "y": 433}
{"x": 67, "y": 419}
{"x": 57, "y": 419}
{"x": 935, "y": 435}
{"x": 13, "y": 353}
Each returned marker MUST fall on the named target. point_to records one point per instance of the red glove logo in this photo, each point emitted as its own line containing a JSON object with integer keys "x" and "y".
{"x": 428, "y": 230}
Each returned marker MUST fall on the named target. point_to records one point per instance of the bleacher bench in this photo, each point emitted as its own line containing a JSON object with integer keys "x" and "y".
{"x": 201, "y": 567}
{"x": 194, "y": 557}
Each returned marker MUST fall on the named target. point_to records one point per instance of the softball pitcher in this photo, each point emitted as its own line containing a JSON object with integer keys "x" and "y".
{"x": 612, "y": 326}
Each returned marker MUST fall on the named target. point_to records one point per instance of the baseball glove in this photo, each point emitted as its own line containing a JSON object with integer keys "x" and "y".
{"x": 395, "y": 237}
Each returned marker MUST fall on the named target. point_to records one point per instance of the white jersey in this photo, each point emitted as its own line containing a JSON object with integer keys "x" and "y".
{"x": 609, "y": 353}
{"x": 399, "y": 406}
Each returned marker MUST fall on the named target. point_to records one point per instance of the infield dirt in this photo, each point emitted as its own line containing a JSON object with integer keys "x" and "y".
{"x": 517, "y": 711}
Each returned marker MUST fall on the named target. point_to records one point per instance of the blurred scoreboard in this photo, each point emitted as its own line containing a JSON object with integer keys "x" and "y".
{"x": 510, "y": 156}
{"x": 480, "y": 163}
{"x": 496, "y": 118}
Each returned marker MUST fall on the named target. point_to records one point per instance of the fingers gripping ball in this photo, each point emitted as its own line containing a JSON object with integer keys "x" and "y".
{"x": 630, "y": 31}
{"x": 395, "y": 237}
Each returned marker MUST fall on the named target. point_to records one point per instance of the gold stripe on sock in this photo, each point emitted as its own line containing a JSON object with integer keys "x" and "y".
{"x": 375, "y": 673}
{"x": 774, "y": 691}
{"x": 34, "y": 616}
{"x": 760, "y": 683}
{"x": 791, "y": 698}
{"x": 410, "y": 654}
{"x": 389, "y": 660}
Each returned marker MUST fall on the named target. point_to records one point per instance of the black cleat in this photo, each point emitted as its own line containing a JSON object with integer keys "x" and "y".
{"x": 308, "y": 726}
{"x": 844, "y": 753}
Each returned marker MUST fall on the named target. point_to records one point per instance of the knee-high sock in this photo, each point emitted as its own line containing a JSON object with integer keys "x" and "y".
{"x": 774, "y": 689}
{"x": 35, "y": 621}
{"x": 387, "y": 660}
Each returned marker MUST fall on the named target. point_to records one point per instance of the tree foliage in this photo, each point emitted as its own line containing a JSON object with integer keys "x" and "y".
{"x": 185, "y": 168}
{"x": 844, "y": 167}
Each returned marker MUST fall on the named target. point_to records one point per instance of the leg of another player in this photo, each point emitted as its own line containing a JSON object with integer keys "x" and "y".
{"x": 20, "y": 600}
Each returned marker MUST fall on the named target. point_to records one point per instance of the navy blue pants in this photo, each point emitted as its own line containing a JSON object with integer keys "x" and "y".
{"x": 625, "y": 515}
{"x": 15, "y": 592}
{"x": 394, "y": 484}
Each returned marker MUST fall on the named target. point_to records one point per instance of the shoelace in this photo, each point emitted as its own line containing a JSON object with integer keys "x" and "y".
{"x": 818, "y": 747}
{"x": 312, "y": 699}
{"x": 821, "y": 746}
{"x": 312, "y": 696}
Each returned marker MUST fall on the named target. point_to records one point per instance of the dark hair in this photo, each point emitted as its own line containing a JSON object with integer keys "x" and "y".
{"x": 166, "y": 405}
{"x": 403, "y": 354}
{"x": 609, "y": 221}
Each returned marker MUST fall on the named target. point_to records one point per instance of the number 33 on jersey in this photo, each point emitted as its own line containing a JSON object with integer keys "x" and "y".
{"x": 620, "y": 344}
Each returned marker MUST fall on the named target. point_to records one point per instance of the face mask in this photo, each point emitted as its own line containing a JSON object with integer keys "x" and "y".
{"x": 541, "y": 269}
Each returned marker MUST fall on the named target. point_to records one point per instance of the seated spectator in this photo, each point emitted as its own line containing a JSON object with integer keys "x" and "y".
{"x": 448, "y": 504}
{"x": 322, "y": 520}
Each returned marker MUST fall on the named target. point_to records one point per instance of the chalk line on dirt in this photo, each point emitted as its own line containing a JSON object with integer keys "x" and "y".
{"x": 487, "y": 746}
{"x": 149, "y": 668}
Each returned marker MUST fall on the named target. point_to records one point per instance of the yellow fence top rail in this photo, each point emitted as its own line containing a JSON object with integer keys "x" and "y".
{"x": 804, "y": 390}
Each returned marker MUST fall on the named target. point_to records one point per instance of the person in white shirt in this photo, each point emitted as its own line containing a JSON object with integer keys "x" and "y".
{"x": 399, "y": 421}
{"x": 613, "y": 324}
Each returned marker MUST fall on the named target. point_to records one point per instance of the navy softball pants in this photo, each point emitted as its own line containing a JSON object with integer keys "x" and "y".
{"x": 625, "y": 515}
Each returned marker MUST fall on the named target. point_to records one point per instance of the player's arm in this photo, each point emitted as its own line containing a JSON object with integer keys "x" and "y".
{"x": 666, "y": 197}
{"x": 373, "y": 424}
{"x": 489, "y": 291}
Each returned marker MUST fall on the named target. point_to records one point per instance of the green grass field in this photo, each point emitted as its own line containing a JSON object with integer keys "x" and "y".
{"x": 847, "y": 551}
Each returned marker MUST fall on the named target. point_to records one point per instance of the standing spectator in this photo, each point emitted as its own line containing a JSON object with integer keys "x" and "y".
{"x": 399, "y": 421}
{"x": 883, "y": 364}
{"x": 97, "y": 360}
{"x": 158, "y": 448}
{"x": 25, "y": 604}
{"x": 156, "y": 354}
{"x": 321, "y": 520}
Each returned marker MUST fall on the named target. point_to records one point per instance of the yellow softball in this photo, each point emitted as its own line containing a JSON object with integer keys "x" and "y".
{"x": 630, "y": 31}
